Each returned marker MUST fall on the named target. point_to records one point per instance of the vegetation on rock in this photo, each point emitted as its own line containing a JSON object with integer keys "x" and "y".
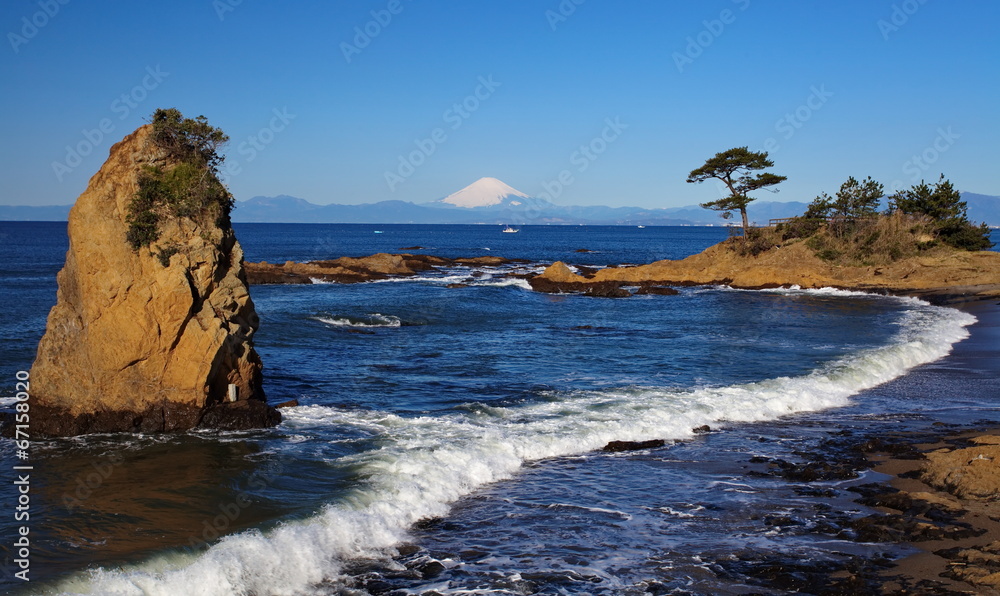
{"x": 187, "y": 188}
{"x": 848, "y": 229}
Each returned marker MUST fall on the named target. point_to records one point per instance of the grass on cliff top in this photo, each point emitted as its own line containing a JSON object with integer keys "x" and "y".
{"x": 863, "y": 242}
{"x": 187, "y": 188}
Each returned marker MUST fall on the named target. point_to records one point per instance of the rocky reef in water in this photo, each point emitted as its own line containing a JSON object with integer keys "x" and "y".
{"x": 152, "y": 337}
{"x": 360, "y": 269}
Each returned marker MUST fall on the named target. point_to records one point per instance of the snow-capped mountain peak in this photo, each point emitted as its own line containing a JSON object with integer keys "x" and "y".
{"x": 484, "y": 193}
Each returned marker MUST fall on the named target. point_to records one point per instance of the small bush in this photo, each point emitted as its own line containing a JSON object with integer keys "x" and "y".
{"x": 800, "y": 227}
{"x": 754, "y": 242}
{"x": 165, "y": 254}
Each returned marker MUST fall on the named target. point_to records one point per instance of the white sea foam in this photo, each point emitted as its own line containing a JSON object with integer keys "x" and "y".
{"x": 372, "y": 320}
{"x": 425, "y": 463}
{"x": 503, "y": 282}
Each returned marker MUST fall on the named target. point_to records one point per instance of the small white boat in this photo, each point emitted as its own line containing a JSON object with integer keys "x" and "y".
{"x": 510, "y": 230}
{"x": 641, "y": 227}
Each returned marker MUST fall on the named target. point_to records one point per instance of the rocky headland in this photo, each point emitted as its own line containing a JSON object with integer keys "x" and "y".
{"x": 941, "y": 276}
{"x": 153, "y": 336}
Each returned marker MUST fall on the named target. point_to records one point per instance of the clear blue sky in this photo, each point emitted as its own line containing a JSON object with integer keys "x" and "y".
{"x": 864, "y": 97}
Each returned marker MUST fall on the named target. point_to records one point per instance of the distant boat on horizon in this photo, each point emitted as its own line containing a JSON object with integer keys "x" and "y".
{"x": 510, "y": 230}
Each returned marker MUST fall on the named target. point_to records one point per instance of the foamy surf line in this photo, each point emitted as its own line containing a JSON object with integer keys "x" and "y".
{"x": 372, "y": 320}
{"x": 426, "y": 463}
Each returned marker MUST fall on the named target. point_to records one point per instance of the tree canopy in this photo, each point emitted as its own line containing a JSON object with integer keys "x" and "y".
{"x": 735, "y": 168}
{"x": 854, "y": 200}
{"x": 944, "y": 205}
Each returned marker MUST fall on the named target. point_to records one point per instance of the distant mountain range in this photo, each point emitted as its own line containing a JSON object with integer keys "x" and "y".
{"x": 490, "y": 201}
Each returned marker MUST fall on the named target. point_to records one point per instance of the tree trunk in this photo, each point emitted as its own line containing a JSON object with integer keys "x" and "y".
{"x": 746, "y": 222}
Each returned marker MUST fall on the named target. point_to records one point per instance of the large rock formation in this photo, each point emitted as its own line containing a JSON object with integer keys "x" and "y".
{"x": 146, "y": 339}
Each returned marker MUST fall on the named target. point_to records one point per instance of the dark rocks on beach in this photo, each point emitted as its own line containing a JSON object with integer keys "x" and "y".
{"x": 457, "y": 285}
{"x": 287, "y": 404}
{"x": 704, "y": 428}
{"x": 619, "y": 446}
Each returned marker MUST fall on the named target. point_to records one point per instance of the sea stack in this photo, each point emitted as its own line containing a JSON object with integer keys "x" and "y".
{"x": 153, "y": 326}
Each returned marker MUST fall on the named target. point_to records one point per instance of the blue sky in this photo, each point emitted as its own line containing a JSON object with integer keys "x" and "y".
{"x": 897, "y": 90}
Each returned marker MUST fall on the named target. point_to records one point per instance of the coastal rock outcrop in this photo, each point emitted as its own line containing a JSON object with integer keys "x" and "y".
{"x": 360, "y": 269}
{"x": 947, "y": 276}
{"x": 151, "y": 338}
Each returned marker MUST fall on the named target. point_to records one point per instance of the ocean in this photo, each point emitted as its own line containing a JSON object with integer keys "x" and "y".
{"x": 448, "y": 440}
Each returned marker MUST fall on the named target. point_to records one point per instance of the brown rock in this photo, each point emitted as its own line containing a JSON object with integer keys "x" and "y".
{"x": 132, "y": 344}
{"x": 970, "y": 473}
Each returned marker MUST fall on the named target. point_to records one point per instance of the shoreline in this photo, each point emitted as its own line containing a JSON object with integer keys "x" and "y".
{"x": 953, "y": 536}
{"x": 944, "y": 555}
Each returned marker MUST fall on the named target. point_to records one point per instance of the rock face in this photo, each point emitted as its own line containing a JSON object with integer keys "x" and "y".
{"x": 139, "y": 343}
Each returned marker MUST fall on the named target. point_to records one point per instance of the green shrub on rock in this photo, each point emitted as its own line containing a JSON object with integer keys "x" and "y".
{"x": 189, "y": 187}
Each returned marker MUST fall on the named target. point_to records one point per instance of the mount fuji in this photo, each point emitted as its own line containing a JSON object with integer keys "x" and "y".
{"x": 485, "y": 192}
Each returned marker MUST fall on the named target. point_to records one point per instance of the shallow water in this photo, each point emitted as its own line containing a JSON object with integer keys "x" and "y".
{"x": 464, "y": 423}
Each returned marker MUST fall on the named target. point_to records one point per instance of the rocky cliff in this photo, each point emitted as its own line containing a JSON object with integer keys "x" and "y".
{"x": 152, "y": 338}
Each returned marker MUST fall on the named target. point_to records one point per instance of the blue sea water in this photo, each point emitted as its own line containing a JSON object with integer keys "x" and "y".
{"x": 448, "y": 438}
